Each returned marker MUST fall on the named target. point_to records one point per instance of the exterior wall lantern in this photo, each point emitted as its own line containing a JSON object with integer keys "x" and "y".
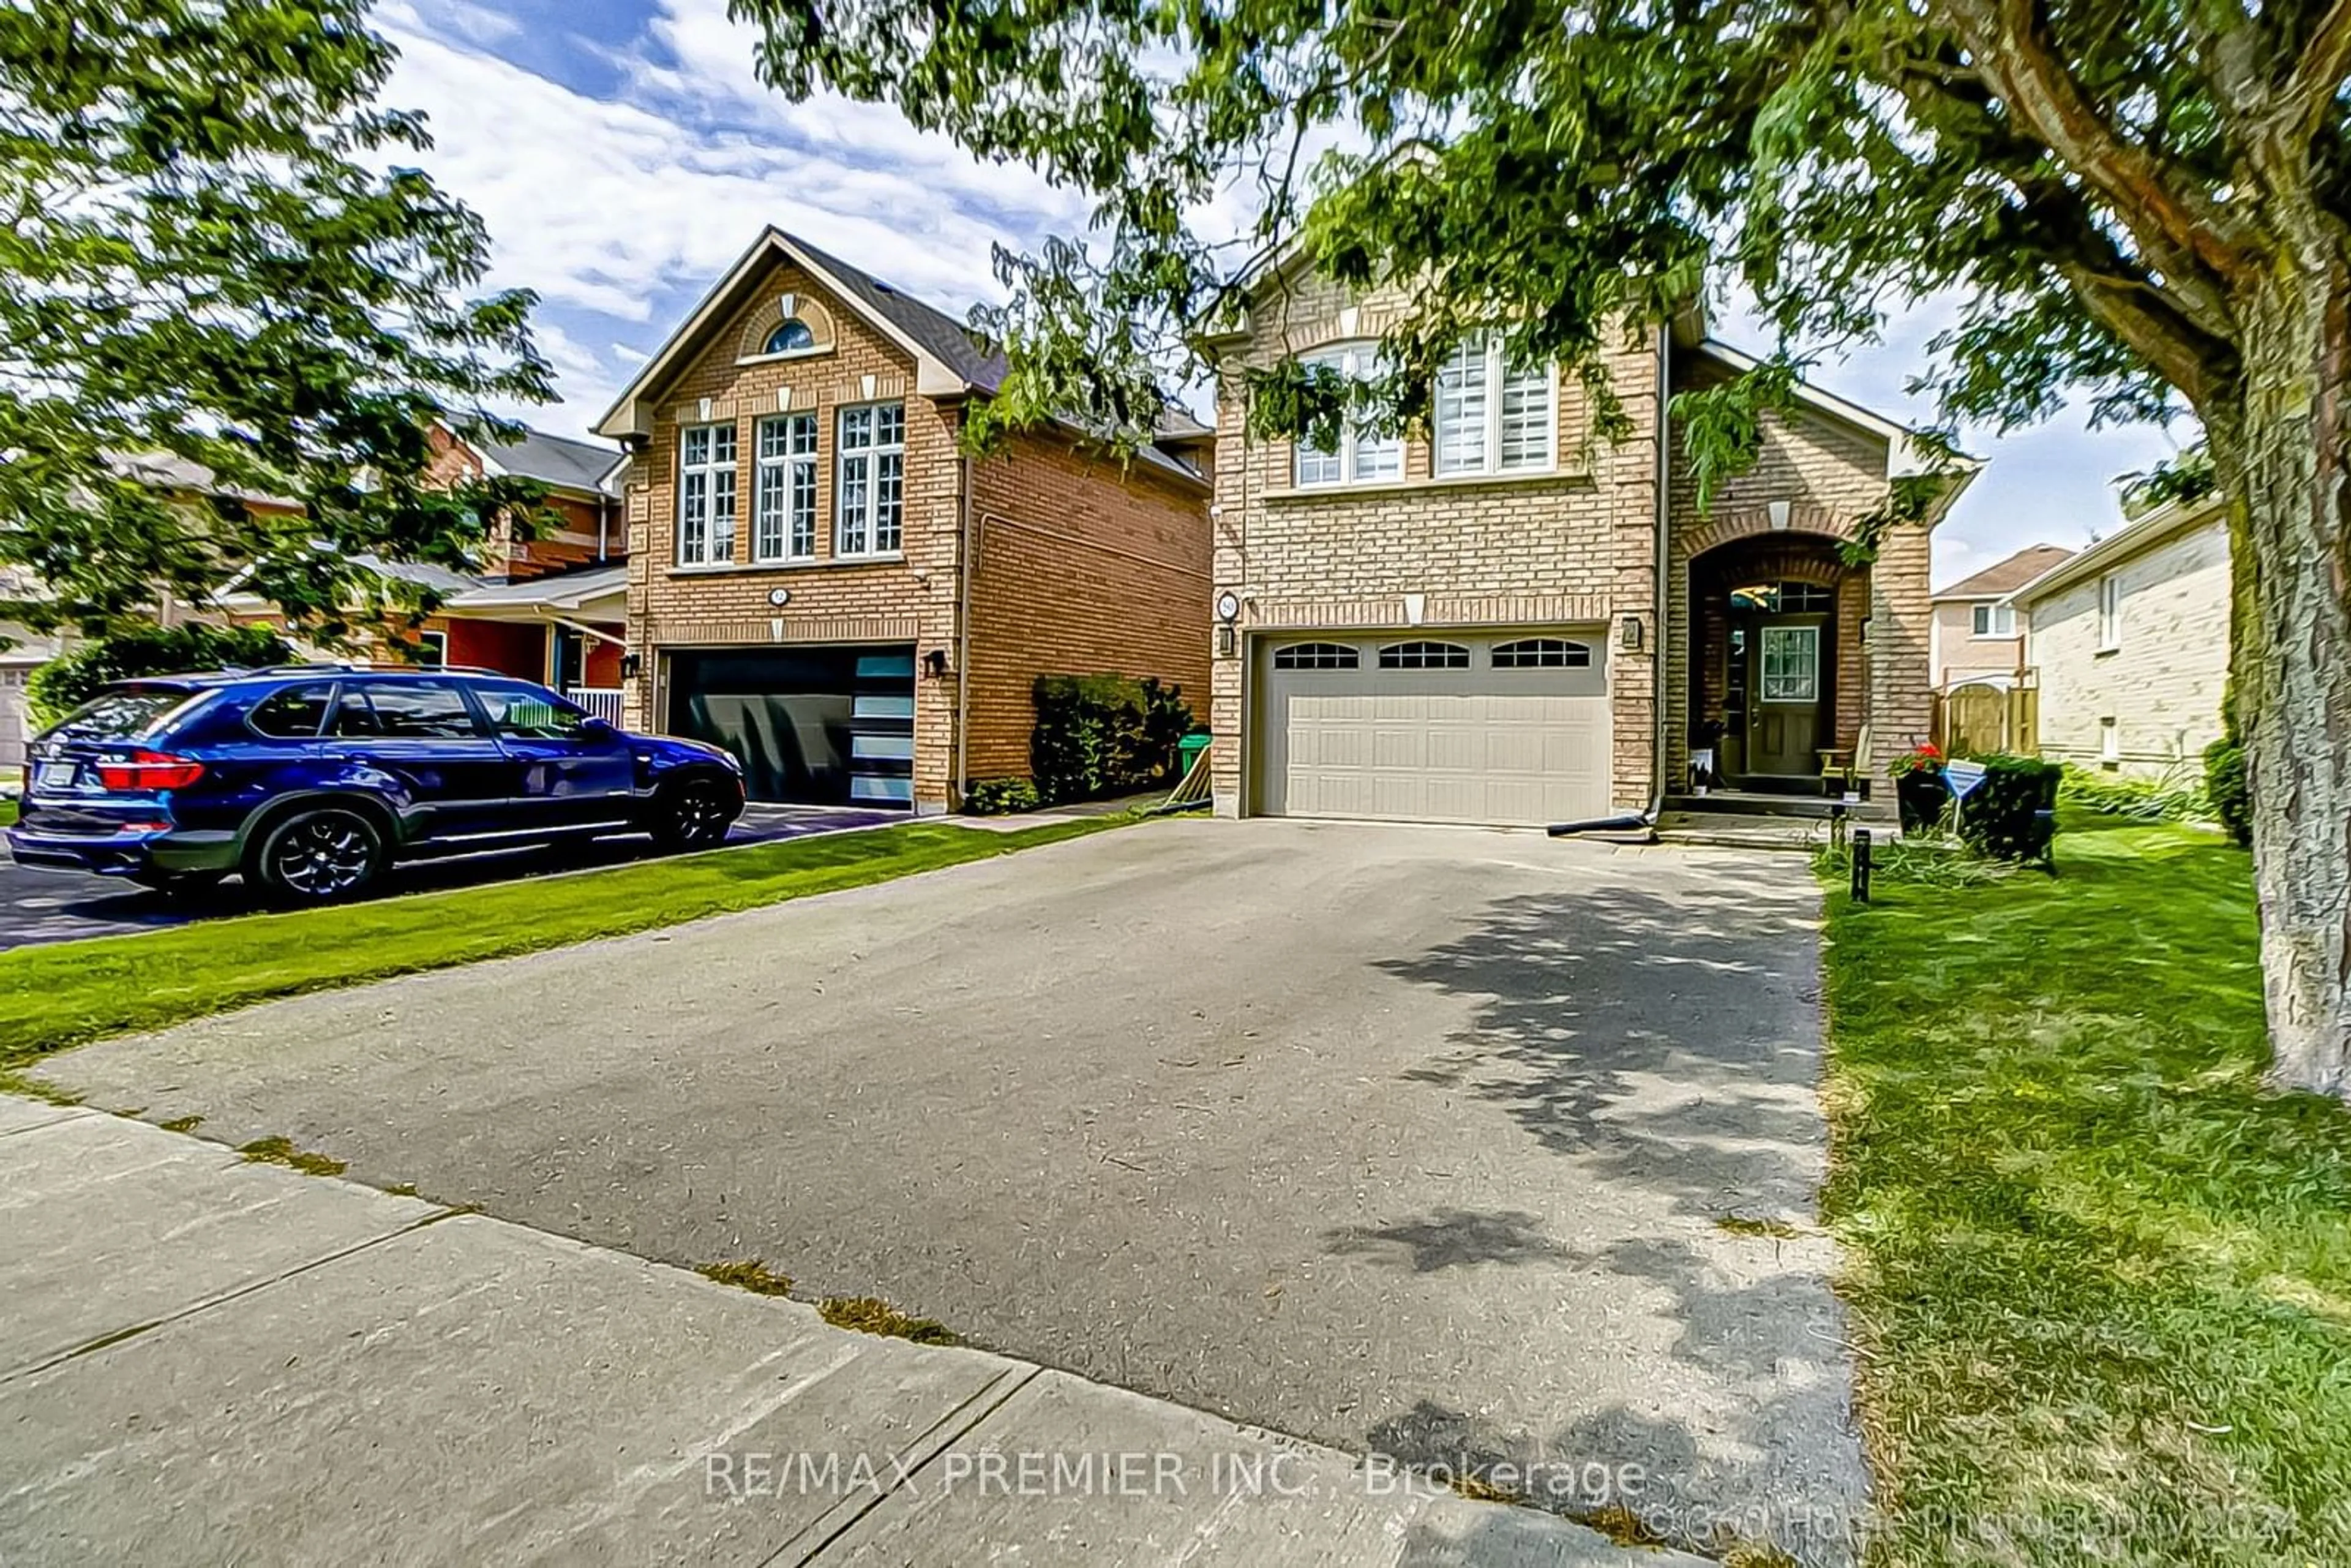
{"x": 1630, "y": 635}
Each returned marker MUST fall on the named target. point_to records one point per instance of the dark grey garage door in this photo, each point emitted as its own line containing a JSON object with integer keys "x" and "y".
{"x": 826, "y": 726}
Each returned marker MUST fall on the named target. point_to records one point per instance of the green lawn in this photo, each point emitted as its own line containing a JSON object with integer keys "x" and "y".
{"x": 72, "y": 992}
{"x": 2100, "y": 1281}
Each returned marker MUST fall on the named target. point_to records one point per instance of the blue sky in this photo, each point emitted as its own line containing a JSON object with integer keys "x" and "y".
{"x": 624, "y": 154}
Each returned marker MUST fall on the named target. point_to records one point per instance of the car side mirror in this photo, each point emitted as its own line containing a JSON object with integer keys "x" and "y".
{"x": 594, "y": 728}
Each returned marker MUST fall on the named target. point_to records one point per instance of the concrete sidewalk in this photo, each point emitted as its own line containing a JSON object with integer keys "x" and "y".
{"x": 204, "y": 1359}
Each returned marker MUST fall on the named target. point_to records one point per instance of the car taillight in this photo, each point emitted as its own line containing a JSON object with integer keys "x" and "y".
{"x": 151, "y": 770}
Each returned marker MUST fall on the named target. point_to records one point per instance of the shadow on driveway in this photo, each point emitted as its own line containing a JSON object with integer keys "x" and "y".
{"x": 39, "y": 907}
{"x": 1666, "y": 1046}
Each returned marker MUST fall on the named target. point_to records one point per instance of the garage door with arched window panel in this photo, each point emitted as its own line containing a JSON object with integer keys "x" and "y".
{"x": 1434, "y": 726}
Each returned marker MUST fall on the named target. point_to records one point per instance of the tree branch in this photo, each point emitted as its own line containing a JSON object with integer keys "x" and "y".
{"x": 2326, "y": 61}
{"x": 2010, "y": 51}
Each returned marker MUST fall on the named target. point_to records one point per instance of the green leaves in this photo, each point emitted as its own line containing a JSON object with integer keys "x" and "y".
{"x": 224, "y": 323}
{"x": 1574, "y": 169}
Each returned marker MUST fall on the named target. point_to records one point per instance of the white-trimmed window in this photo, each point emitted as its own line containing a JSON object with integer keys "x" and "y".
{"x": 1542, "y": 653}
{"x": 1995, "y": 621}
{"x": 1424, "y": 656}
{"x": 2110, "y": 743}
{"x": 2110, "y": 613}
{"x": 1315, "y": 656}
{"x": 784, "y": 513}
{"x": 871, "y": 489}
{"x": 706, "y": 495}
{"x": 1494, "y": 417}
{"x": 1360, "y": 458}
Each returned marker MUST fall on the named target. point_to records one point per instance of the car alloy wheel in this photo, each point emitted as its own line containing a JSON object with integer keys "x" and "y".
{"x": 323, "y": 855}
{"x": 698, "y": 815}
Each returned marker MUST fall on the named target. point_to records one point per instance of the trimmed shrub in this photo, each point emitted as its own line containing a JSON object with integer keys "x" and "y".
{"x": 1103, "y": 735}
{"x": 2226, "y": 786}
{"x": 71, "y": 679}
{"x": 1000, "y": 797}
{"x": 2013, "y": 814}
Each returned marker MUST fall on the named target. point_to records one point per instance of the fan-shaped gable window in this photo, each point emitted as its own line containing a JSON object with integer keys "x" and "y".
{"x": 1542, "y": 653}
{"x": 1315, "y": 656}
{"x": 791, "y": 337}
{"x": 1424, "y": 656}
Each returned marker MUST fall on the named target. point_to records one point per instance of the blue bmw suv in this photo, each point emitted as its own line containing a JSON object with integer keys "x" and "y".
{"x": 310, "y": 779}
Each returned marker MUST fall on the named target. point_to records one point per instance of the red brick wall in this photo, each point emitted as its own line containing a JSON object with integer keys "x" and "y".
{"x": 1081, "y": 570}
{"x": 506, "y": 646}
{"x": 604, "y": 661}
{"x": 570, "y": 541}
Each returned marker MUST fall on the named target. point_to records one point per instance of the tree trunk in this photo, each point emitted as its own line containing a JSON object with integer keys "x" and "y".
{"x": 2278, "y": 446}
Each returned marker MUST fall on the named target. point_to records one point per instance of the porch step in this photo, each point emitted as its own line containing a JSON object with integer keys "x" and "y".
{"x": 1753, "y": 803}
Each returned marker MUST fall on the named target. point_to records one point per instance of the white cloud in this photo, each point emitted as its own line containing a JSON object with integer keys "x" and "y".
{"x": 619, "y": 212}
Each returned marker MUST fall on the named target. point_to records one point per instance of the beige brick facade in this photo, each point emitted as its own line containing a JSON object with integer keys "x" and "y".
{"x": 1079, "y": 566}
{"x": 2144, "y": 695}
{"x": 1577, "y": 546}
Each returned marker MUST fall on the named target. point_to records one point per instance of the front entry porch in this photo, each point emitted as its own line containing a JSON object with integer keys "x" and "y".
{"x": 1779, "y": 680}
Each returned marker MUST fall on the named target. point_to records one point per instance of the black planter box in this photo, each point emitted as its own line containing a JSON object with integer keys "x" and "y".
{"x": 1922, "y": 796}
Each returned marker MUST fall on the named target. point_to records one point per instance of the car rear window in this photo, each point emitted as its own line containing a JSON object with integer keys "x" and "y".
{"x": 120, "y": 713}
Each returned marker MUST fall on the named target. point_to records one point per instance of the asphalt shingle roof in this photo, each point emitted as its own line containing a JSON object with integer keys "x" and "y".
{"x": 2007, "y": 575}
{"x": 555, "y": 460}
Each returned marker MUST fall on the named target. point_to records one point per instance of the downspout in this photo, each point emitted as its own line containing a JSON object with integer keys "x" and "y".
{"x": 965, "y": 547}
{"x": 1646, "y": 822}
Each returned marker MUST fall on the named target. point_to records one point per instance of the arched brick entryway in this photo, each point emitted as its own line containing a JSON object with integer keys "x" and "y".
{"x": 1752, "y": 546}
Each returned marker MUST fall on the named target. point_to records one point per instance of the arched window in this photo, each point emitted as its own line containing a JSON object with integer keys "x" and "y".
{"x": 1315, "y": 656}
{"x": 790, "y": 337}
{"x": 1542, "y": 653}
{"x": 1424, "y": 656}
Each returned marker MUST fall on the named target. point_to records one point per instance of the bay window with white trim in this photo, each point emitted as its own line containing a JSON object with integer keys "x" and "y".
{"x": 870, "y": 490}
{"x": 1494, "y": 416}
{"x": 706, "y": 495}
{"x": 1361, "y": 458}
{"x": 784, "y": 510}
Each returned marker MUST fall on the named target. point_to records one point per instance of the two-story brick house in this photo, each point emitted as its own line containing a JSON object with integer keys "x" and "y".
{"x": 821, "y": 581}
{"x": 1500, "y": 619}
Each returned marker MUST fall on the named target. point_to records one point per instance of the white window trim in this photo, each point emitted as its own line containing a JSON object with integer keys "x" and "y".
{"x": 1353, "y": 362}
{"x": 1496, "y": 368}
{"x": 439, "y": 642}
{"x": 2110, "y": 613}
{"x": 711, "y": 556}
{"x": 788, "y": 464}
{"x": 874, "y": 451}
{"x": 1992, "y": 613}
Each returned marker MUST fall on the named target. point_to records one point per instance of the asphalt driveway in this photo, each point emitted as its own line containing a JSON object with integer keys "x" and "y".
{"x": 60, "y": 907}
{"x": 1415, "y": 1140}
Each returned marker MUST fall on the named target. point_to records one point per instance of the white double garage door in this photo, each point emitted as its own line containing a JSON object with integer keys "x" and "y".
{"x": 1434, "y": 726}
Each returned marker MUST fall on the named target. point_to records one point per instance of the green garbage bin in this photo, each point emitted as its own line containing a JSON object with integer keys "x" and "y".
{"x": 1187, "y": 751}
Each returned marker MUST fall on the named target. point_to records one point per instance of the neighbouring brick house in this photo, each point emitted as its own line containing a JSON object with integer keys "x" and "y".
{"x": 823, "y": 581}
{"x": 546, "y": 606}
{"x": 1501, "y": 619}
{"x": 1979, "y": 632}
{"x": 550, "y": 606}
{"x": 2128, "y": 643}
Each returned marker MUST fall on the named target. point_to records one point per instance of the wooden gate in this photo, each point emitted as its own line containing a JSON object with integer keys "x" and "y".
{"x": 1979, "y": 719}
